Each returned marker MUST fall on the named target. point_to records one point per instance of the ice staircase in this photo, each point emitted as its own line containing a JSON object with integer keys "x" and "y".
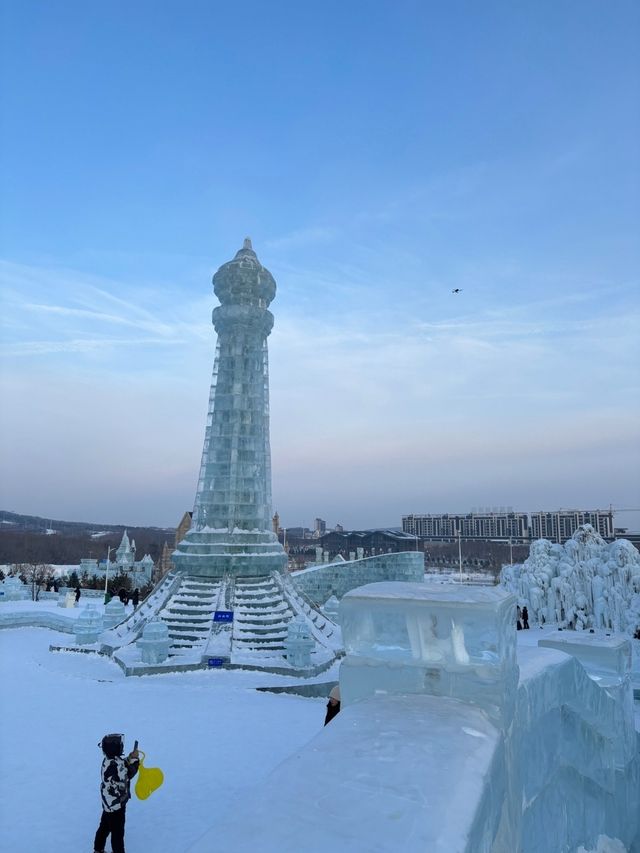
{"x": 261, "y": 615}
{"x": 189, "y": 614}
{"x": 256, "y": 636}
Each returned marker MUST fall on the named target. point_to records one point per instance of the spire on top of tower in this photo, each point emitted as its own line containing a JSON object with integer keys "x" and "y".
{"x": 247, "y": 243}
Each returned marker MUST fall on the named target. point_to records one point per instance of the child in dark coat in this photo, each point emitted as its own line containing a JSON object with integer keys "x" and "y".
{"x": 115, "y": 776}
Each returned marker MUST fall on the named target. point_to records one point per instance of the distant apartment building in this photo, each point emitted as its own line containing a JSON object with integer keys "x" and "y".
{"x": 473, "y": 525}
{"x": 561, "y": 525}
{"x": 556, "y": 526}
{"x": 320, "y": 527}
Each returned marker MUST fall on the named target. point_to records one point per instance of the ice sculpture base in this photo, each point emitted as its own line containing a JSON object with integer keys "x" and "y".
{"x": 215, "y": 553}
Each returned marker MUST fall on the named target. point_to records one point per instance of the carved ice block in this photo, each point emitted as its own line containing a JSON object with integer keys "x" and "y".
{"x": 88, "y": 626}
{"x": 299, "y": 643}
{"x": 447, "y": 640}
{"x": 607, "y": 661}
{"x": 114, "y": 613}
{"x": 13, "y": 589}
{"x": 603, "y": 656}
{"x": 154, "y": 643}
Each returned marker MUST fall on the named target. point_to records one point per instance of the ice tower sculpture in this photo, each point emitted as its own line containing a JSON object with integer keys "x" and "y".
{"x": 231, "y": 529}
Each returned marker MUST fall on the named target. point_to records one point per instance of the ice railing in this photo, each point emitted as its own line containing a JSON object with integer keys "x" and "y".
{"x": 444, "y": 641}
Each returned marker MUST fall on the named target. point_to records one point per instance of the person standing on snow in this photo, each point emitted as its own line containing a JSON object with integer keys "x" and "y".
{"x": 115, "y": 776}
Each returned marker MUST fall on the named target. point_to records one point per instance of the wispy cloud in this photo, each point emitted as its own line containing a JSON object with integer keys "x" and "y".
{"x": 85, "y": 313}
{"x": 82, "y": 345}
{"x": 302, "y": 237}
{"x": 82, "y": 318}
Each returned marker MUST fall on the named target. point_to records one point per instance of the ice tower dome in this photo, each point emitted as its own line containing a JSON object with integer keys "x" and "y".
{"x": 244, "y": 281}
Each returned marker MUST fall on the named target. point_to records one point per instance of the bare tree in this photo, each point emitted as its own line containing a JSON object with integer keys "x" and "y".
{"x": 34, "y": 574}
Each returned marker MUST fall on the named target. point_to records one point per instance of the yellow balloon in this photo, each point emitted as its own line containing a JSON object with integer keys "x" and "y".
{"x": 149, "y": 780}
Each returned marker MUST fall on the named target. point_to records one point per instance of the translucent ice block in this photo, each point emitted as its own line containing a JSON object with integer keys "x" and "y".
{"x": 447, "y": 640}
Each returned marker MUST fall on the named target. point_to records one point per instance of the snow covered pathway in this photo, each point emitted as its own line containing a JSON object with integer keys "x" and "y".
{"x": 211, "y": 733}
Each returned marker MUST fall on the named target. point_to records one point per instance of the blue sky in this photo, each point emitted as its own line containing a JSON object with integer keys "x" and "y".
{"x": 379, "y": 154}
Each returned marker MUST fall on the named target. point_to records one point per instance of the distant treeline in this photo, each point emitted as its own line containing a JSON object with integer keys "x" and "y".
{"x": 25, "y": 541}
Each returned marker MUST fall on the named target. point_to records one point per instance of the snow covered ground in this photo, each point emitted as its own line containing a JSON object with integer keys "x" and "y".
{"x": 211, "y": 733}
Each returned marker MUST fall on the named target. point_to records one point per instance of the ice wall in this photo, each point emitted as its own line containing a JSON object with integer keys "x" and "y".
{"x": 574, "y": 764}
{"x": 321, "y": 582}
{"x": 585, "y": 583}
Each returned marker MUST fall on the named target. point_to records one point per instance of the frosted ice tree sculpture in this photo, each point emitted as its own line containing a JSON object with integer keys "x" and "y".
{"x": 585, "y": 583}
{"x": 231, "y": 529}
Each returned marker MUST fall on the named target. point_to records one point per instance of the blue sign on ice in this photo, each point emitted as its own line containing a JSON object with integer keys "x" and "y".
{"x": 216, "y": 661}
{"x": 223, "y": 616}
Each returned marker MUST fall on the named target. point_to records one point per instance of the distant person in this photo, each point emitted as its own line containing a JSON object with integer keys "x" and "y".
{"x": 525, "y": 617}
{"x": 78, "y": 594}
{"x": 519, "y": 619}
{"x": 49, "y": 584}
{"x": 333, "y": 705}
{"x": 56, "y": 588}
{"x": 135, "y": 598}
{"x": 115, "y": 776}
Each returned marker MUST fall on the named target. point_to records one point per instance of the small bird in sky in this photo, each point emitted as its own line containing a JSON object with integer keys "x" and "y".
{"x": 457, "y": 290}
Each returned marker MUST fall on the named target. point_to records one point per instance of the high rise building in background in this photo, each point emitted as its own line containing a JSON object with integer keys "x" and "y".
{"x": 231, "y": 530}
{"x": 320, "y": 527}
{"x": 481, "y": 525}
{"x": 556, "y": 526}
{"x": 561, "y": 525}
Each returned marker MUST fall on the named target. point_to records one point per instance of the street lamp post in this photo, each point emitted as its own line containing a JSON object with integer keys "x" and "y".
{"x": 106, "y": 574}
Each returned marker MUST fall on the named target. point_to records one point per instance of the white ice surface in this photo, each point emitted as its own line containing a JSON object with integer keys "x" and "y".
{"x": 367, "y": 783}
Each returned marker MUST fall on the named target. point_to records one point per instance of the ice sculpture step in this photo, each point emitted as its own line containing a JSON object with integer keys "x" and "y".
{"x": 188, "y": 615}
